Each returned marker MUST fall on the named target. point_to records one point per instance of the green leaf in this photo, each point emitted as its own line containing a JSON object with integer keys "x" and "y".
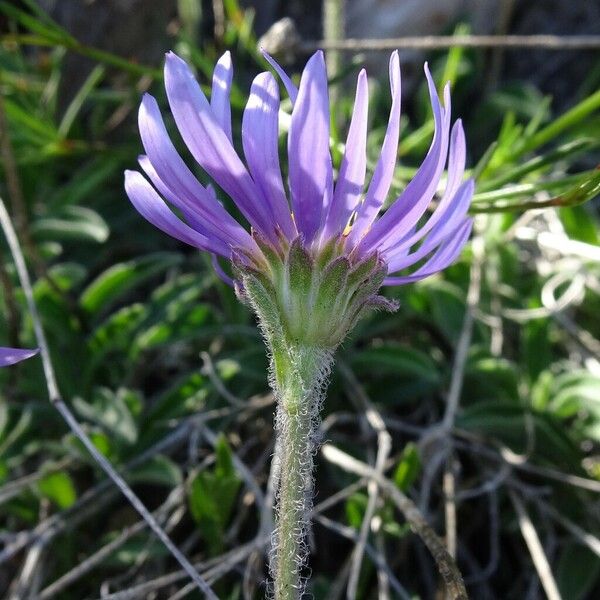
{"x": 188, "y": 393}
{"x": 583, "y": 187}
{"x": 42, "y": 131}
{"x": 182, "y": 321}
{"x": 403, "y": 361}
{"x": 17, "y": 430}
{"x": 159, "y": 470}
{"x": 574, "y": 392}
{"x": 212, "y": 495}
{"x": 580, "y": 224}
{"x": 92, "y": 80}
{"x": 72, "y": 223}
{"x": 59, "y": 488}
{"x": 85, "y": 184}
{"x": 490, "y": 377}
{"x": 539, "y": 163}
{"x": 3, "y": 418}
{"x": 536, "y": 353}
{"x": 408, "y": 468}
{"x": 541, "y": 390}
{"x": 567, "y": 120}
{"x": 119, "y": 279}
{"x": 523, "y": 431}
{"x": 102, "y": 442}
{"x": 396, "y": 373}
{"x": 4, "y": 471}
{"x": 41, "y": 24}
{"x": 447, "y": 303}
{"x": 577, "y": 571}
{"x": 110, "y": 410}
{"x": 115, "y": 333}
{"x": 355, "y": 508}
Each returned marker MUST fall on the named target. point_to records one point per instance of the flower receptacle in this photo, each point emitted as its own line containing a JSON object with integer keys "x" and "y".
{"x": 307, "y": 298}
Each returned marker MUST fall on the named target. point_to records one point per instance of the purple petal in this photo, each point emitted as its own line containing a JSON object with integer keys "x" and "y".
{"x": 453, "y": 216}
{"x": 456, "y": 169}
{"x": 351, "y": 178}
{"x": 213, "y": 193}
{"x": 167, "y": 171}
{"x": 405, "y": 212}
{"x": 194, "y": 217}
{"x": 191, "y": 216}
{"x": 11, "y": 356}
{"x": 219, "y": 271}
{"x": 210, "y": 146}
{"x": 402, "y": 250}
{"x": 384, "y": 171}
{"x": 328, "y": 193}
{"x": 221, "y": 88}
{"x": 446, "y": 254}
{"x": 260, "y": 128}
{"x": 455, "y": 213}
{"x": 152, "y": 207}
{"x": 291, "y": 88}
{"x": 308, "y": 148}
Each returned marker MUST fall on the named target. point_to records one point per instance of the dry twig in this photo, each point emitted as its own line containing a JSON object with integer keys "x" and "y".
{"x": 67, "y": 415}
{"x": 445, "y": 563}
{"x": 384, "y": 446}
{"x": 536, "y": 550}
{"x": 436, "y": 42}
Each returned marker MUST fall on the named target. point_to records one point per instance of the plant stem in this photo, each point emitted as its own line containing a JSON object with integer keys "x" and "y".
{"x": 334, "y": 25}
{"x": 299, "y": 376}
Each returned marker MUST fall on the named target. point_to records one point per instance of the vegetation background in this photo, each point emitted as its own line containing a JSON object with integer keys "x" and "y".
{"x": 485, "y": 385}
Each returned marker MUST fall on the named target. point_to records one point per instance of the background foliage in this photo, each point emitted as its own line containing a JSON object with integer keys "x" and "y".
{"x": 166, "y": 370}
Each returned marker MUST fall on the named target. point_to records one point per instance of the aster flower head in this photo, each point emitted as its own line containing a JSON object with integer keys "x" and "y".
{"x": 11, "y": 356}
{"x": 312, "y": 254}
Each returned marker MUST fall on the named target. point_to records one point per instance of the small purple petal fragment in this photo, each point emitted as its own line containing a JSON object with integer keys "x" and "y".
{"x": 219, "y": 270}
{"x": 209, "y": 144}
{"x": 405, "y": 212}
{"x": 291, "y": 88}
{"x": 351, "y": 178}
{"x": 221, "y": 89}
{"x": 153, "y": 208}
{"x": 260, "y": 131}
{"x": 446, "y": 254}
{"x": 328, "y": 193}
{"x": 384, "y": 171}
{"x": 454, "y": 214}
{"x": 11, "y": 356}
{"x": 308, "y": 148}
{"x": 191, "y": 216}
{"x": 186, "y": 192}
{"x": 456, "y": 169}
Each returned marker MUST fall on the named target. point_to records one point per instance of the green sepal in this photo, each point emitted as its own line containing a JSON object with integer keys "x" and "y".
{"x": 300, "y": 270}
{"x": 327, "y": 253}
{"x": 259, "y": 292}
{"x": 274, "y": 256}
{"x": 362, "y": 270}
{"x": 332, "y": 281}
{"x": 310, "y": 299}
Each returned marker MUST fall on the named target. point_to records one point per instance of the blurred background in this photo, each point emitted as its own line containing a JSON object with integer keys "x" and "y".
{"x": 487, "y": 380}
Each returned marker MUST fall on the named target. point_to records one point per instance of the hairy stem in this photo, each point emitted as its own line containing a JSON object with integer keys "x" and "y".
{"x": 299, "y": 375}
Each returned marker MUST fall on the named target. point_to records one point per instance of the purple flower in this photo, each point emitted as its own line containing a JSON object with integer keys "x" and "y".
{"x": 317, "y": 250}
{"x": 10, "y": 356}
{"x": 321, "y": 235}
{"x": 317, "y": 208}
